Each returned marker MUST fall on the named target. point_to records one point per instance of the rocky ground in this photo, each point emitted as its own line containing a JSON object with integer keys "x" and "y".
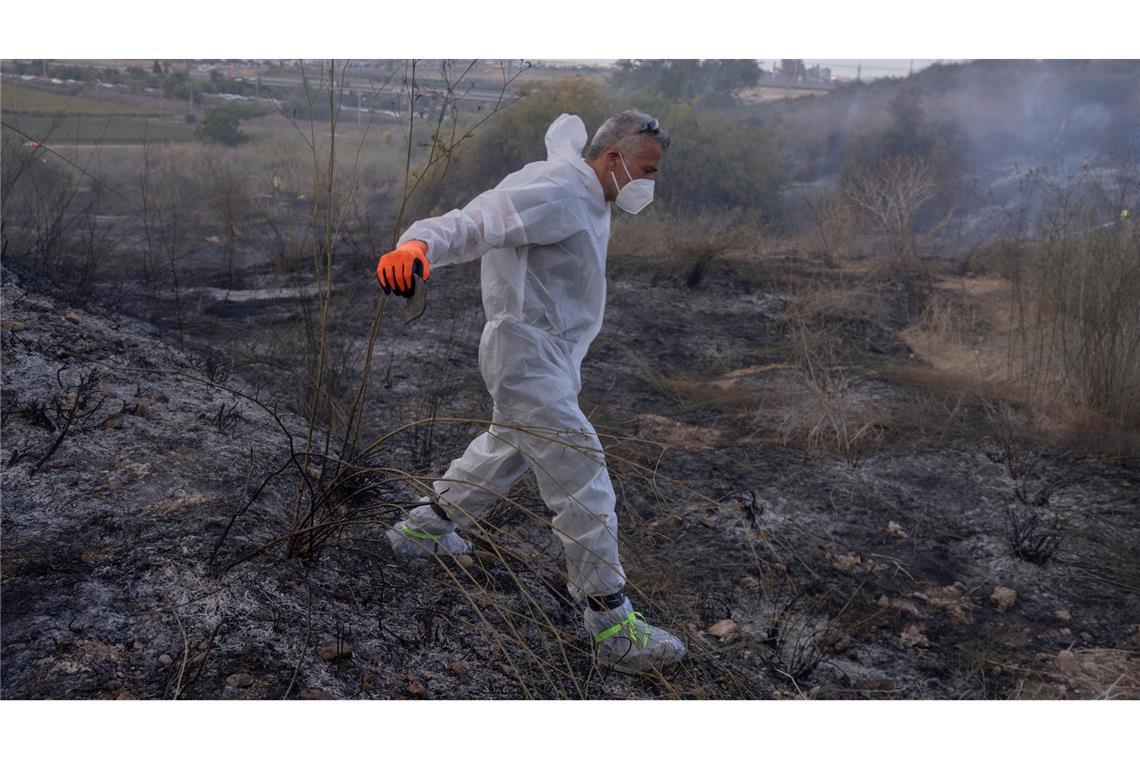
{"x": 813, "y": 526}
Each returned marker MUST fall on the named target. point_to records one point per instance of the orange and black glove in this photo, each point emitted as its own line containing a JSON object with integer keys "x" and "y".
{"x": 396, "y": 268}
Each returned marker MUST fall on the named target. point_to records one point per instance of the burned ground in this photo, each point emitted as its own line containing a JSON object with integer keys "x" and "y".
{"x": 852, "y": 529}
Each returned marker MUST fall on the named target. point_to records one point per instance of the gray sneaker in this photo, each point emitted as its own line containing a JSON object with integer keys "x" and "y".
{"x": 406, "y": 541}
{"x": 624, "y": 642}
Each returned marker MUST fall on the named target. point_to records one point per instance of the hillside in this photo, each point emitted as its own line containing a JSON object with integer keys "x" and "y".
{"x": 793, "y": 568}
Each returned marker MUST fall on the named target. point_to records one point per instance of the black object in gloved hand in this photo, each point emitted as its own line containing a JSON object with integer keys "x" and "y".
{"x": 396, "y": 269}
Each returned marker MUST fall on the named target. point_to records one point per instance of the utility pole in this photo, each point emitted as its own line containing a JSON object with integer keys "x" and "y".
{"x": 859, "y": 73}
{"x": 911, "y": 72}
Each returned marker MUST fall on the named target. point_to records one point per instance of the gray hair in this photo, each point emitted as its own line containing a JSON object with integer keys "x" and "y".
{"x": 623, "y": 132}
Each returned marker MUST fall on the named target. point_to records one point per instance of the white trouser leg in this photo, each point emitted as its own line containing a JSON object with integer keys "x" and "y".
{"x": 476, "y": 480}
{"x": 538, "y": 423}
{"x": 575, "y": 485}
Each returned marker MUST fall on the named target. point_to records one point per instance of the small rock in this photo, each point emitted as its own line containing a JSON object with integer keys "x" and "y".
{"x": 239, "y": 680}
{"x": 263, "y": 614}
{"x": 1086, "y": 636}
{"x": 815, "y": 692}
{"x": 896, "y": 530}
{"x": 313, "y": 694}
{"x": 750, "y": 582}
{"x": 115, "y": 422}
{"x": 1067, "y": 633}
{"x": 848, "y": 563}
{"x": 465, "y": 561}
{"x": 1003, "y": 598}
{"x": 124, "y": 695}
{"x": 708, "y": 522}
{"x": 72, "y": 317}
{"x": 165, "y": 660}
{"x": 62, "y": 353}
{"x": 1062, "y": 616}
{"x": 912, "y": 636}
{"x": 112, "y": 685}
{"x": 417, "y": 690}
{"x": 331, "y": 652}
{"x": 458, "y": 667}
{"x": 140, "y": 410}
{"x": 884, "y": 601}
{"x": 11, "y": 325}
{"x": 1067, "y": 662}
{"x": 723, "y": 628}
{"x": 907, "y": 607}
{"x": 834, "y": 641}
{"x": 159, "y": 398}
{"x": 485, "y": 557}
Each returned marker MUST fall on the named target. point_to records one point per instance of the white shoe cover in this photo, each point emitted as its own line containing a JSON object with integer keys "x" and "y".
{"x": 630, "y": 645}
{"x": 406, "y": 541}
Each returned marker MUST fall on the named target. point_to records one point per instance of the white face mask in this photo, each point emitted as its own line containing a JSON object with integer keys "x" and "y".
{"x": 637, "y": 193}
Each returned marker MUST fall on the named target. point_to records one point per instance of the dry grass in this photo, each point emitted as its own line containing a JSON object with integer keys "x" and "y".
{"x": 681, "y": 249}
{"x": 847, "y": 303}
{"x": 835, "y": 223}
{"x": 979, "y": 340}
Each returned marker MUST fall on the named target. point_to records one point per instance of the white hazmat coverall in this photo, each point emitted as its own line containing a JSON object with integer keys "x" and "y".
{"x": 542, "y": 235}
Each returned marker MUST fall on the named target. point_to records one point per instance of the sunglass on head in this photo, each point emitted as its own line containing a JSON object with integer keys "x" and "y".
{"x": 652, "y": 127}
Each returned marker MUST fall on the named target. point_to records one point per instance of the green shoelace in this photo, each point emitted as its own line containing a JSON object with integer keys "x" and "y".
{"x": 421, "y": 534}
{"x": 629, "y": 625}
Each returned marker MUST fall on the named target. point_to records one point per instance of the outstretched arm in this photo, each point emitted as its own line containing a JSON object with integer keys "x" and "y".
{"x": 543, "y": 211}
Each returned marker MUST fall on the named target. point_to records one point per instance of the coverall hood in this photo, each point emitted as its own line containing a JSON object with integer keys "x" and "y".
{"x": 565, "y": 139}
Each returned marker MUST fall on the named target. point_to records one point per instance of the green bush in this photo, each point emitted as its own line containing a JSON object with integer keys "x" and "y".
{"x": 909, "y": 134}
{"x": 221, "y": 126}
{"x": 713, "y": 163}
{"x": 509, "y": 140}
{"x": 711, "y": 81}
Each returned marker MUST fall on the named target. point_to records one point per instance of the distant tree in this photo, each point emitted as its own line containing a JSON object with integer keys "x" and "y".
{"x": 892, "y": 195}
{"x": 909, "y": 134}
{"x": 221, "y": 126}
{"x": 716, "y": 162}
{"x": 176, "y": 85}
{"x": 157, "y": 68}
{"x": 513, "y": 138}
{"x": 711, "y": 80}
{"x": 70, "y": 72}
{"x": 792, "y": 70}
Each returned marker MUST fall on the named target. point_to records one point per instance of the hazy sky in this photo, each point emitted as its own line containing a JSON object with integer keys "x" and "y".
{"x": 873, "y": 68}
{"x": 845, "y": 68}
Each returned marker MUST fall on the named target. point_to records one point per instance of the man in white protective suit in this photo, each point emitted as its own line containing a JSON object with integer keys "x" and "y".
{"x": 542, "y": 236}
